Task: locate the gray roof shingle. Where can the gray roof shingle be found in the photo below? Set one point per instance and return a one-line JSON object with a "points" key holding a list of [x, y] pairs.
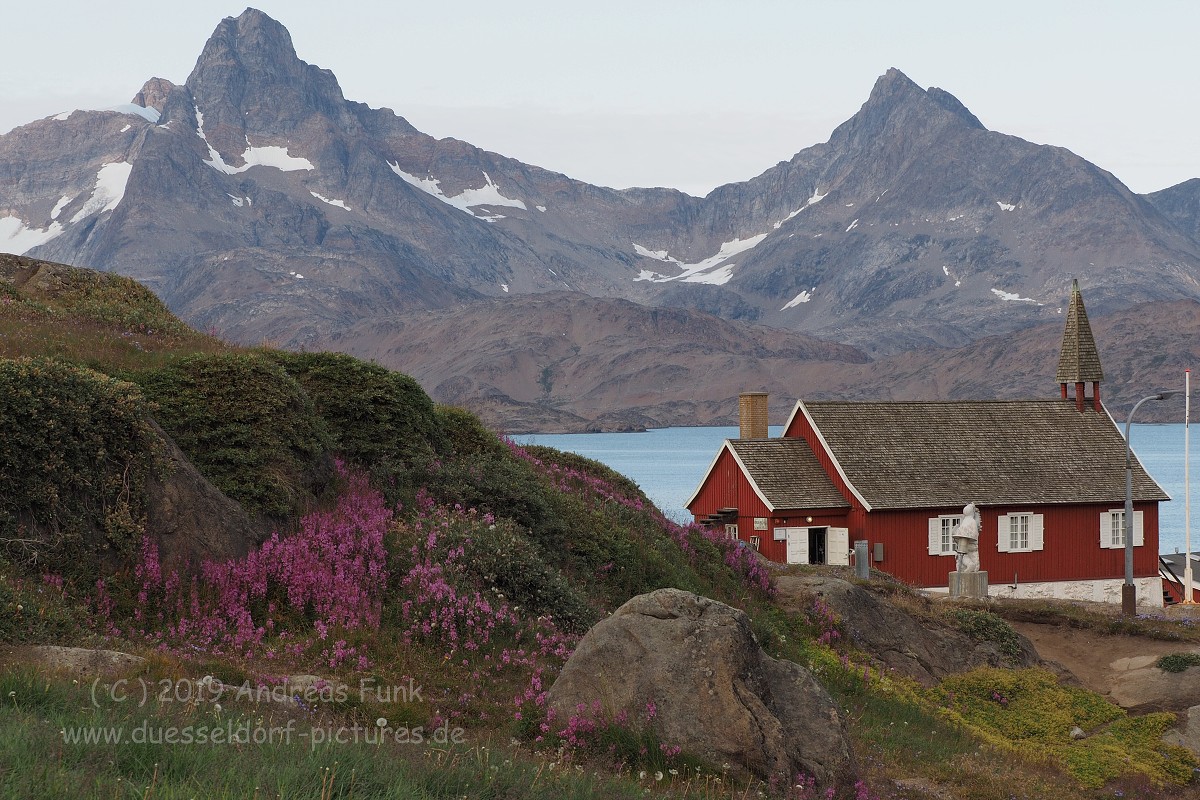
{"points": [[787, 473], [939, 454]]}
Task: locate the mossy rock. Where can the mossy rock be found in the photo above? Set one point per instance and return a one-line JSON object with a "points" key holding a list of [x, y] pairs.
{"points": [[248, 426]]}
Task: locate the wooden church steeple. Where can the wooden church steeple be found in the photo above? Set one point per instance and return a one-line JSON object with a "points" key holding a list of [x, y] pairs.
{"points": [[1079, 361]]}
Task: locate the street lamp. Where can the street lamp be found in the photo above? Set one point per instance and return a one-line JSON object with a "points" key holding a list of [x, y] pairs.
{"points": [[1128, 590]]}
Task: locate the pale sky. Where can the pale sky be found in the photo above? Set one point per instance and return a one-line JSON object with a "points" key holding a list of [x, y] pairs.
{"points": [[689, 94]]}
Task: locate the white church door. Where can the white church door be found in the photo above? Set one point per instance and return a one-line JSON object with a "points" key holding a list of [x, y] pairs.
{"points": [[837, 547], [797, 545]]}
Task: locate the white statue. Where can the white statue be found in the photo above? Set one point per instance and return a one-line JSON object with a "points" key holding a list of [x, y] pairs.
{"points": [[966, 540]]}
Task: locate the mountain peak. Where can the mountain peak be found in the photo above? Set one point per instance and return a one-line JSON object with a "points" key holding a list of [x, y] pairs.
{"points": [[249, 80], [892, 83], [154, 94], [897, 103], [894, 87], [252, 41]]}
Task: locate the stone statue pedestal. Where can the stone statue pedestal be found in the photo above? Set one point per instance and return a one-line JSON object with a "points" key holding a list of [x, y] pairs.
{"points": [[969, 584]]}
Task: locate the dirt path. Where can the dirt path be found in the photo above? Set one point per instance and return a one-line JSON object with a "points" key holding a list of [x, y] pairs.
{"points": [[1119, 667]]}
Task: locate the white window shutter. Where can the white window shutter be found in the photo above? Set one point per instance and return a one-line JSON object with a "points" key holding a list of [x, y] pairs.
{"points": [[837, 547], [1106, 529], [1139, 537], [935, 537], [1036, 531], [1003, 535]]}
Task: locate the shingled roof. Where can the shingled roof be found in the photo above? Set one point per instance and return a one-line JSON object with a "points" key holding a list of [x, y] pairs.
{"points": [[945, 454], [786, 473], [1079, 361]]}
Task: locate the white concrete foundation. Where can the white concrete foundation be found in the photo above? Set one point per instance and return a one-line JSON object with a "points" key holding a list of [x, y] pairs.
{"points": [[1149, 591]]}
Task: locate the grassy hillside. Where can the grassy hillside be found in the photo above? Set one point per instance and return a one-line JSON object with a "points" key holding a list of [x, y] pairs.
{"points": [[415, 578]]}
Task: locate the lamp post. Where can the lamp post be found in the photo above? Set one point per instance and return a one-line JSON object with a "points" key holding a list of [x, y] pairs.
{"points": [[1128, 590]]}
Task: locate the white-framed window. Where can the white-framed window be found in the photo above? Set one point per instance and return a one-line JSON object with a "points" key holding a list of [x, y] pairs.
{"points": [[731, 531], [755, 541], [1112, 529], [941, 534], [1020, 532]]}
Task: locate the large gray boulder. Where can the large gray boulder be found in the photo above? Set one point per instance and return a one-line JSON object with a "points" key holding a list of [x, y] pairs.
{"points": [[717, 695]]}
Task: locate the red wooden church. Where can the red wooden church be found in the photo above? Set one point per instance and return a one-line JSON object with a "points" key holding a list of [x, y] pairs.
{"points": [[1046, 475]]}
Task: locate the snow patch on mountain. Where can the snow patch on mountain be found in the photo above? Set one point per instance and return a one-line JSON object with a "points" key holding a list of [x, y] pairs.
{"points": [[658, 255], [63, 116], [110, 189], [60, 205], [272, 156], [1012, 297], [148, 114], [1005, 206], [853, 225], [803, 297], [649, 275], [716, 277], [816, 198], [487, 195], [713, 270], [18, 238], [266, 156], [339, 203]]}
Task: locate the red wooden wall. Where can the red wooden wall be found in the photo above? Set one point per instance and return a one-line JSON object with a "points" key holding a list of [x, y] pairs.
{"points": [[1071, 546], [726, 487]]}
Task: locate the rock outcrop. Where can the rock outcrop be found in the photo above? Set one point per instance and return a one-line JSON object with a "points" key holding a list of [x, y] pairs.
{"points": [[896, 639], [716, 694], [191, 520]]}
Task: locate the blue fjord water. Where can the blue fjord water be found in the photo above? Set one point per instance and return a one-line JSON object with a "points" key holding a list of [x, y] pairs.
{"points": [[668, 464]]}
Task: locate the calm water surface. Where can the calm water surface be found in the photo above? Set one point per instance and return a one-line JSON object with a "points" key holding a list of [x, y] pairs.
{"points": [[668, 464]]}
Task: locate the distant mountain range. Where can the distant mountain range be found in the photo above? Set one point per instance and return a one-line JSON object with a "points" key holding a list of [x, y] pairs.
{"points": [[259, 202]]}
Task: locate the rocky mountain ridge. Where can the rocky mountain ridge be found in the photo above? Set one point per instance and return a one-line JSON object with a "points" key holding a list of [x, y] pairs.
{"points": [[261, 203]]}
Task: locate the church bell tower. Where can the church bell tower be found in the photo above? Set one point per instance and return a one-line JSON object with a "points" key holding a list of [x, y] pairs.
{"points": [[1079, 361]]}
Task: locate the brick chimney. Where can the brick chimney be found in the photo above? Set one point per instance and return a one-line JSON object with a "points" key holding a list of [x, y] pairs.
{"points": [[752, 415]]}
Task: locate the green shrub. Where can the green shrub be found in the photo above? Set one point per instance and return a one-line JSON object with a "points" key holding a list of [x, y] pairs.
{"points": [[500, 484], [76, 448], [100, 297], [1178, 662], [464, 435], [117, 300], [377, 418], [502, 558], [247, 425], [985, 626]]}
